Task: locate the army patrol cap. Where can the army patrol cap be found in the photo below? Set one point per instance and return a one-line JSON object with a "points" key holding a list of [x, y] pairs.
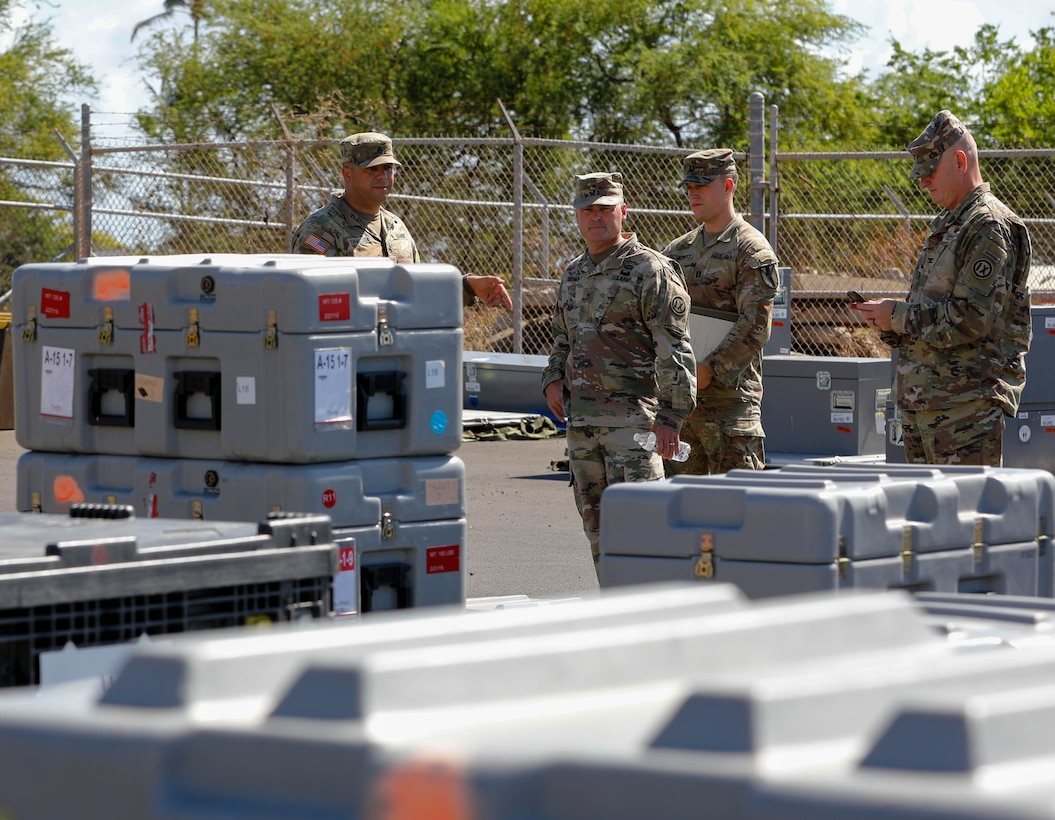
{"points": [[367, 150], [598, 189], [704, 167], [942, 132]]}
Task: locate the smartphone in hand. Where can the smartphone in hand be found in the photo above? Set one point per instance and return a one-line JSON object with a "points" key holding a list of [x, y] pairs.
{"points": [[855, 297]]}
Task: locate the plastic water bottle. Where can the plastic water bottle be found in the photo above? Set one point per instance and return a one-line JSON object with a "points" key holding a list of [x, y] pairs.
{"points": [[648, 442]]}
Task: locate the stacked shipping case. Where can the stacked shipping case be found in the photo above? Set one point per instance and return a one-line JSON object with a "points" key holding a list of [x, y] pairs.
{"points": [[229, 387], [1029, 438]]}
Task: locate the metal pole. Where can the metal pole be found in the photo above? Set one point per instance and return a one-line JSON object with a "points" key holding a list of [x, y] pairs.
{"points": [[757, 160], [82, 188], [518, 234], [84, 246], [287, 208], [774, 179]]}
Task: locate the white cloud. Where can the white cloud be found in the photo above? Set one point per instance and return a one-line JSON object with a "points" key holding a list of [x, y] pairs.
{"points": [[939, 25]]}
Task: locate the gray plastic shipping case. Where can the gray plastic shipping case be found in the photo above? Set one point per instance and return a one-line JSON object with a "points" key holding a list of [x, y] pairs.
{"points": [[806, 528], [400, 522], [1029, 438], [286, 358], [825, 405], [505, 382], [779, 343], [661, 702], [1040, 360], [100, 576]]}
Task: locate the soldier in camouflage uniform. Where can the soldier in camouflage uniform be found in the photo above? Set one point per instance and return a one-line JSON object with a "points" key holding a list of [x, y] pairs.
{"points": [[621, 362], [963, 332], [731, 271], [356, 223]]}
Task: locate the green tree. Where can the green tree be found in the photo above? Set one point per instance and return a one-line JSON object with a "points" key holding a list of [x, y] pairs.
{"points": [[636, 71], [1017, 108], [37, 78]]}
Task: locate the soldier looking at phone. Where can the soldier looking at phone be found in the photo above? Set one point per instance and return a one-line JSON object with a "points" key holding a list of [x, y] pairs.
{"points": [[964, 329]]}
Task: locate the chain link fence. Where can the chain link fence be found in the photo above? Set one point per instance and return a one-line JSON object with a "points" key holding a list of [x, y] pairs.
{"points": [[502, 207]]}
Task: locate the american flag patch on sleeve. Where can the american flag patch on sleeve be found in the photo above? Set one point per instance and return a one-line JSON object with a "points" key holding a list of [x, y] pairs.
{"points": [[316, 243]]}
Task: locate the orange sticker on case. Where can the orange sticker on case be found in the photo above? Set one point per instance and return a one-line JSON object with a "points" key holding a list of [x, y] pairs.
{"points": [[66, 490]]}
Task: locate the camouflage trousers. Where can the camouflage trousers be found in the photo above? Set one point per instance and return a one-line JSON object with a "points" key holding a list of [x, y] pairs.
{"points": [[599, 457], [714, 450], [970, 433]]}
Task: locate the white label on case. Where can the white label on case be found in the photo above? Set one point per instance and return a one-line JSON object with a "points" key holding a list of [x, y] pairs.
{"points": [[345, 584], [245, 389], [333, 385], [435, 375], [442, 492], [56, 382]]}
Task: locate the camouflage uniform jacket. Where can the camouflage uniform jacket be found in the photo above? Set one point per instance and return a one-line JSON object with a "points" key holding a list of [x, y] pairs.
{"points": [[620, 344], [336, 230], [963, 332], [735, 272]]}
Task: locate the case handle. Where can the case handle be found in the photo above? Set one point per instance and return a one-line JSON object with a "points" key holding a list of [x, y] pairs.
{"points": [[190, 383], [106, 380], [369, 385]]}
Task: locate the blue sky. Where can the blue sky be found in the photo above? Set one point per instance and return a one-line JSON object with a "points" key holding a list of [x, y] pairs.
{"points": [[98, 31]]}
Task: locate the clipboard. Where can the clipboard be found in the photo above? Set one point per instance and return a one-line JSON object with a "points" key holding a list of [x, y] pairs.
{"points": [[707, 329]]}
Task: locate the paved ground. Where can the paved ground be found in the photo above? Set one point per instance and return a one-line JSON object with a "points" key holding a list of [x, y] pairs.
{"points": [[525, 537]]}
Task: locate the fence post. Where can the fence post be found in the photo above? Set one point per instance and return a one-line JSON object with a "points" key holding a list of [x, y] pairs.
{"points": [[518, 234], [82, 190], [756, 156], [774, 179], [287, 208]]}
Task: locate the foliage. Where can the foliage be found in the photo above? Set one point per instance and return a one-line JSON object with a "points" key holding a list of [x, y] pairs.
{"points": [[37, 78], [1017, 109], [649, 71]]}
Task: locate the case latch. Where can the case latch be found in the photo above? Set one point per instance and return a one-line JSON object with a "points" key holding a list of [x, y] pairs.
{"points": [[705, 563], [271, 333], [906, 549], [978, 544], [384, 332], [29, 332], [388, 528], [193, 338], [106, 331]]}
